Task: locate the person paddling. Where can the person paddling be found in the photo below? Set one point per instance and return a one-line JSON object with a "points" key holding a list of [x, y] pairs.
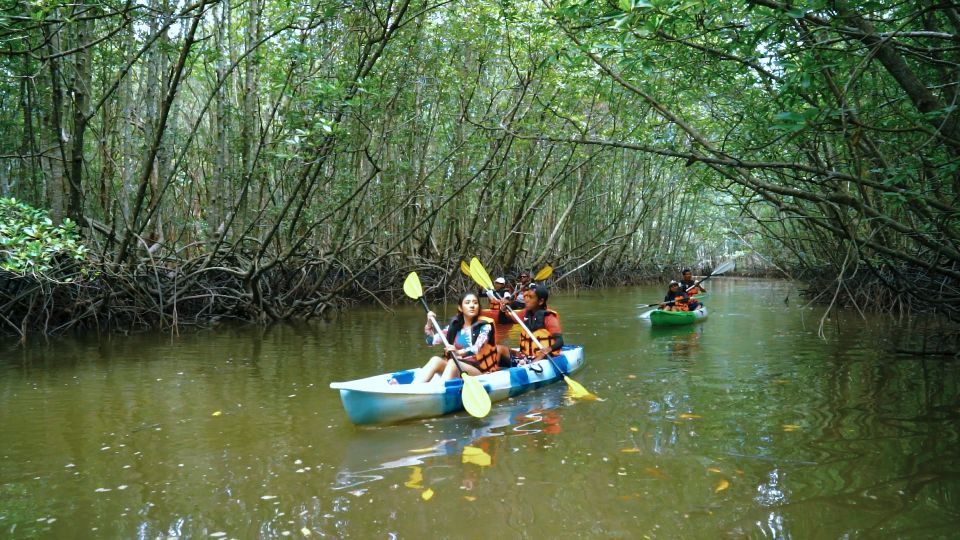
{"points": [[472, 340], [676, 299], [689, 285], [542, 321]]}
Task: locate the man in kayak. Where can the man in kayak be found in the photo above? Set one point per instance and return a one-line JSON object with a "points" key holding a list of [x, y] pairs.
{"points": [[500, 288], [542, 321], [523, 281], [688, 284]]}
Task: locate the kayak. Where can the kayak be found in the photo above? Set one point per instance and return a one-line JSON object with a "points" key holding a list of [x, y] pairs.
{"points": [[373, 400], [676, 318]]}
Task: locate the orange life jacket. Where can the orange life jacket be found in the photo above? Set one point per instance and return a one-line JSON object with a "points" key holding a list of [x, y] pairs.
{"points": [[487, 358], [535, 322]]}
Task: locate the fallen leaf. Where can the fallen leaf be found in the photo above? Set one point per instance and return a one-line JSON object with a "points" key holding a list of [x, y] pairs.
{"points": [[427, 494], [688, 416], [721, 486], [305, 531], [422, 450], [713, 469], [416, 479], [472, 454], [790, 427], [217, 413], [655, 472], [470, 498], [634, 429], [631, 376], [630, 450]]}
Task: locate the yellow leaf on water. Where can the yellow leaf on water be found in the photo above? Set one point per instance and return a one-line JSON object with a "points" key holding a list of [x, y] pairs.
{"points": [[634, 429], [217, 413], [721, 486], [472, 454], [422, 450], [631, 376], [305, 531], [416, 479], [713, 469], [427, 494], [790, 427], [688, 416], [470, 498], [630, 450]]}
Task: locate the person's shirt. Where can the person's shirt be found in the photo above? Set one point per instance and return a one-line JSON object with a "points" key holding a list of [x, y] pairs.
{"points": [[464, 338], [685, 285]]}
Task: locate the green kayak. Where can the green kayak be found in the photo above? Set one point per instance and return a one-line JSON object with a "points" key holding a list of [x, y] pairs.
{"points": [[676, 318]]}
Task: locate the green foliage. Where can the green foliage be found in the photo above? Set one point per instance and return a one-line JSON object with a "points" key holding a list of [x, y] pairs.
{"points": [[31, 244]]}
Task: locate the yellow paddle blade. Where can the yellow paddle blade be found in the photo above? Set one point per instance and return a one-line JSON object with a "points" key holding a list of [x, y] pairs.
{"points": [[464, 268], [411, 286], [544, 273], [475, 398], [479, 274], [576, 390]]}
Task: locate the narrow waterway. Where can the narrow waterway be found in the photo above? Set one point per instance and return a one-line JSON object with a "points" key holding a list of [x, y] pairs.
{"points": [[748, 425]]}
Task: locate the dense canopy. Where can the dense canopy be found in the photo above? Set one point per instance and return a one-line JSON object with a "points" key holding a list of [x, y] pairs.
{"points": [[265, 159]]}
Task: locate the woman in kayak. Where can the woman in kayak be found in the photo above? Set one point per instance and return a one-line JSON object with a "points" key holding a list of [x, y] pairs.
{"points": [[472, 341], [676, 299]]}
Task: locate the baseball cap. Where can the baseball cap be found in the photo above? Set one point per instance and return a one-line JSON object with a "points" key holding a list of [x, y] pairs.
{"points": [[500, 280]]}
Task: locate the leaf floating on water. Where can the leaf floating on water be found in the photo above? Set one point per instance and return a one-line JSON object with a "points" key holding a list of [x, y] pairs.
{"points": [[781, 381], [427, 494], [631, 376], [655, 472], [218, 534], [722, 485], [416, 479], [422, 450], [217, 413], [268, 497], [634, 429], [470, 498], [472, 454], [305, 531], [688, 416], [713, 470], [790, 427], [630, 450]]}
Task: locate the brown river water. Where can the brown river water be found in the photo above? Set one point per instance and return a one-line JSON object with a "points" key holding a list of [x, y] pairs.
{"points": [[750, 424]]}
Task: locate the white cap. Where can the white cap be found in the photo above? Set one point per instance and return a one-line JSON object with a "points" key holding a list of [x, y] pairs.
{"points": [[500, 280]]}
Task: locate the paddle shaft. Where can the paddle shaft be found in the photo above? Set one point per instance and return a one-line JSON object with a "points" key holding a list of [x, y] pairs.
{"points": [[446, 344]]}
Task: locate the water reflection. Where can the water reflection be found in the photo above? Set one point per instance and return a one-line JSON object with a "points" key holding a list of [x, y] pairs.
{"points": [[373, 451]]}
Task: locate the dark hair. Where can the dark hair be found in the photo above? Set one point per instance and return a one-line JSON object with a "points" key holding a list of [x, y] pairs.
{"points": [[542, 293], [685, 270], [456, 323]]}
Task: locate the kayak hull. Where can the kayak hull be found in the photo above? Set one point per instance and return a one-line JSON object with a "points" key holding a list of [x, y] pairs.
{"points": [[677, 318], [373, 400]]}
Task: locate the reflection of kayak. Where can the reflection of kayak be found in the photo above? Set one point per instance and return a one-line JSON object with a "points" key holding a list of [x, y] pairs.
{"points": [[676, 318], [371, 452], [374, 400]]}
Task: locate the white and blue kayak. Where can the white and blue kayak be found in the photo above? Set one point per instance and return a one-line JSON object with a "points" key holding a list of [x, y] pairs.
{"points": [[373, 400]]}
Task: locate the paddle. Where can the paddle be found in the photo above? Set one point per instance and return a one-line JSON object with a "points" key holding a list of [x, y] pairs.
{"points": [[543, 274], [464, 268], [475, 398], [479, 274], [725, 267]]}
